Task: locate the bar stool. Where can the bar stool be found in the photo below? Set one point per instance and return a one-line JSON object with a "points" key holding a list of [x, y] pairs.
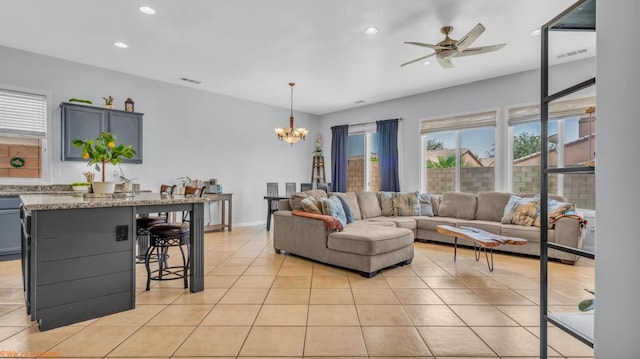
{"points": [[143, 224], [163, 237]]}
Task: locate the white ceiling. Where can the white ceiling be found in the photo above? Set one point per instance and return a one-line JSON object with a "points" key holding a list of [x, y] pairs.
{"points": [[252, 49]]}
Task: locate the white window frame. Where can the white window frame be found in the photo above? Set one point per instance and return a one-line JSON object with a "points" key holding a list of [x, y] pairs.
{"points": [[45, 155], [367, 130], [423, 143]]}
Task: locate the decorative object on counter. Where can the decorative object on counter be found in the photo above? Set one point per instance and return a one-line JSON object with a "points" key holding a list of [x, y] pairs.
{"points": [[184, 181], [89, 176], [291, 135], [104, 150], [128, 105], [126, 182], [78, 100], [81, 186], [108, 102]]}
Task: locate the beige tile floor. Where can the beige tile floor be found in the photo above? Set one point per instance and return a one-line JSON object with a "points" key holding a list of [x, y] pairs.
{"points": [[261, 304]]}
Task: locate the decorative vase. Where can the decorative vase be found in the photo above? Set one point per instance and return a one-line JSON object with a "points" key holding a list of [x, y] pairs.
{"points": [[103, 187]]}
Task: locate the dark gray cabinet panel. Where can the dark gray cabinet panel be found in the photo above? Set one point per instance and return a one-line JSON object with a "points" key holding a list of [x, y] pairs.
{"points": [[87, 122], [9, 228], [127, 127]]}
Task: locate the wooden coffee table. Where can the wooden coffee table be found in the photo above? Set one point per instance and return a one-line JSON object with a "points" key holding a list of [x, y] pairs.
{"points": [[482, 240]]}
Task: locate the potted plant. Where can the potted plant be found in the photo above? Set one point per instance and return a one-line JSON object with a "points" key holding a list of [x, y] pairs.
{"points": [[104, 150]]}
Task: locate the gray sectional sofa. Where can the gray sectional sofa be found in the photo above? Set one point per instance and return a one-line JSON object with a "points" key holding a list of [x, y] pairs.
{"points": [[379, 237]]}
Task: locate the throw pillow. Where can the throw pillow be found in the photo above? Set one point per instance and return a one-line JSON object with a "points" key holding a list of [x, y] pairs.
{"points": [[347, 210], [555, 210], [412, 204], [352, 201], [311, 205], [386, 203], [520, 211], [296, 198], [333, 207]]}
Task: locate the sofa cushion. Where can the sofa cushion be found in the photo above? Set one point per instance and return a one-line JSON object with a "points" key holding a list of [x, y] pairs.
{"points": [[296, 198], [386, 203], [489, 226], [376, 221], [333, 207], [369, 240], [347, 210], [458, 205], [352, 201], [369, 204], [531, 234], [432, 222], [491, 205], [520, 211]]}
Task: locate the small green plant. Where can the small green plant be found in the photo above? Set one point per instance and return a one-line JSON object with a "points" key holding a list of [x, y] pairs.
{"points": [[104, 150], [81, 184], [80, 100]]}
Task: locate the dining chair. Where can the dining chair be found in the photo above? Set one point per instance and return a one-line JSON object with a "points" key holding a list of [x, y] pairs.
{"points": [[272, 191], [290, 188], [305, 187]]}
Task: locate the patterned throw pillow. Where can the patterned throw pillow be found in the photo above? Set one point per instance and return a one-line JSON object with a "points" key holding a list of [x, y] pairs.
{"points": [[412, 204], [386, 203], [333, 207], [311, 205], [520, 211], [555, 210], [347, 210]]}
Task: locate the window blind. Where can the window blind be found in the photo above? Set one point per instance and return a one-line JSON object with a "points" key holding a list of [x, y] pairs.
{"points": [[482, 119], [23, 113], [558, 109]]}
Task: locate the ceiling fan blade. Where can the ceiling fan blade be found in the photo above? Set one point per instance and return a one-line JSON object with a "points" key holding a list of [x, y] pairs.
{"points": [[418, 59], [445, 62], [435, 47], [469, 38], [480, 50]]}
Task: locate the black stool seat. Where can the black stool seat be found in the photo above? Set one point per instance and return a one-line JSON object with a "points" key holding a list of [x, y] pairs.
{"points": [[164, 236], [146, 222]]}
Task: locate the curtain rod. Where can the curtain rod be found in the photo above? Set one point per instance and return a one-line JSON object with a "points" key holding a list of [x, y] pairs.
{"points": [[371, 123]]}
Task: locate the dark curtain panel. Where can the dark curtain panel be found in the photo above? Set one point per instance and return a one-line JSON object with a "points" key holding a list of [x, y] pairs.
{"points": [[339, 138], [387, 137]]}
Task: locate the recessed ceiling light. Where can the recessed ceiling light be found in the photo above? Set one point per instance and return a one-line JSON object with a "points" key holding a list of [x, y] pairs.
{"points": [[535, 32], [426, 62], [120, 44], [147, 10], [371, 30]]}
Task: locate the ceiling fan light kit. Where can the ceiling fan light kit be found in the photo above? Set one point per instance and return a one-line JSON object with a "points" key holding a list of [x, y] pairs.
{"points": [[449, 48], [291, 135]]}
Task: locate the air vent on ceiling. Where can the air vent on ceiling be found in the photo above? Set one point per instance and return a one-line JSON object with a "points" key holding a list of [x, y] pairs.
{"points": [[190, 80], [359, 101], [571, 53]]}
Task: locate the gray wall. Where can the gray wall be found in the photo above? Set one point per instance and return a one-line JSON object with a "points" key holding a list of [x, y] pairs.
{"points": [[187, 132], [492, 94], [617, 245]]}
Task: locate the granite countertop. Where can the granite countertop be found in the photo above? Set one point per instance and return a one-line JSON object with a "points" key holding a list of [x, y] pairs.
{"points": [[39, 202], [16, 190]]}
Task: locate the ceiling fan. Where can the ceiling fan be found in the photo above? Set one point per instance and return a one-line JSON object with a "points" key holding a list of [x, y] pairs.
{"points": [[448, 48]]}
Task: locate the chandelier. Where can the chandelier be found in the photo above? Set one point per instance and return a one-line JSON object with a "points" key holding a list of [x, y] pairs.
{"points": [[291, 135]]}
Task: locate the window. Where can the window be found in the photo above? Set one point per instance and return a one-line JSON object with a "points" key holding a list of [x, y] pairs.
{"points": [[362, 162], [23, 119], [459, 153], [571, 132]]}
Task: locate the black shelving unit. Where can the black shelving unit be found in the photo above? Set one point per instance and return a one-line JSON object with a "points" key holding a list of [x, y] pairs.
{"points": [[579, 17]]}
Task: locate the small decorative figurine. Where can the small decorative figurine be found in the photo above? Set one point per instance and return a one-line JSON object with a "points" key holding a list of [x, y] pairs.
{"points": [[128, 105], [108, 102]]}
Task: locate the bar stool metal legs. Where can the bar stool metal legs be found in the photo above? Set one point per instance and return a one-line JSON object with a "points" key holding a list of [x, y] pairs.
{"points": [[161, 240]]}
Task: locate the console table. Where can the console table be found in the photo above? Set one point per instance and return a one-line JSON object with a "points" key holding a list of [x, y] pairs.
{"points": [[226, 211]]}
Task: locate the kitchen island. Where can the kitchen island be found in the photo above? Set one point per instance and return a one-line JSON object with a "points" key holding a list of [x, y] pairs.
{"points": [[78, 252]]}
